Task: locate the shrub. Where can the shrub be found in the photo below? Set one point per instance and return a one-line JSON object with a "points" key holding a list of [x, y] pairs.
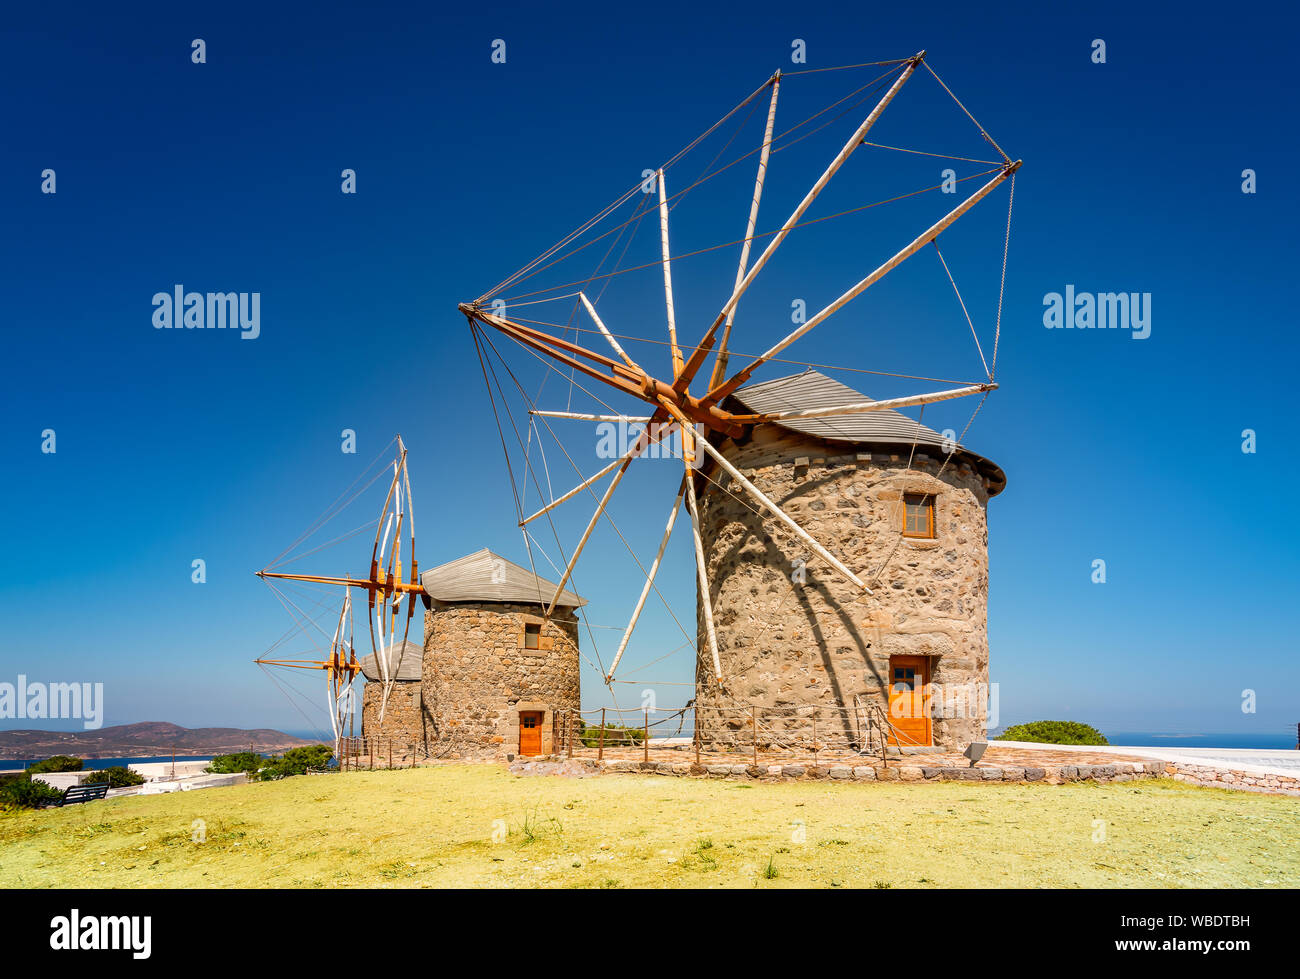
{"points": [[296, 761], [118, 777], [1053, 732], [616, 735], [242, 761], [26, 793], [58, 763]]}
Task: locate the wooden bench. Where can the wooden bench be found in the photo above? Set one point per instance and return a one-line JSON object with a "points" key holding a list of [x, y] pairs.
{"points": [[74, 794]]}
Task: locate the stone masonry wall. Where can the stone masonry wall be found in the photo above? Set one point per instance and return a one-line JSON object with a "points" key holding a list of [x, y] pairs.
{"points": [[404, 717], [478, 676], [793, 633]]}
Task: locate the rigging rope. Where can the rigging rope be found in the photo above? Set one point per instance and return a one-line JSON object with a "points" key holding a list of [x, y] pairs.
{"points": [[512, 301], [872, 86], [624, 198], [336, 507], [1006, 247], [578, 472], [963, 108], [770, 360], [935, 242]]}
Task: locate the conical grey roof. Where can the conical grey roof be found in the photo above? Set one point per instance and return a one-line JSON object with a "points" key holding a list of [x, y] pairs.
{"points": [[487, 577], [405, 659], [812, 389]]}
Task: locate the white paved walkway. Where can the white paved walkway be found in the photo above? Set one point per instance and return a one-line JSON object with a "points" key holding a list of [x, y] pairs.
{"points": [[1275, 761]]}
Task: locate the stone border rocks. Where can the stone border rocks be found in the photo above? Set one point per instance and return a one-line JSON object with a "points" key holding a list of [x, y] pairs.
{"points": [[1049, 774], [1223, 778]]}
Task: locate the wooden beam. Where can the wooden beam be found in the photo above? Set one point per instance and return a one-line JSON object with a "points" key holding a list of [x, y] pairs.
{"points": [[668, 277], [702, 574], [591, 311], [584, 417], [622, 377], [854, 142], [567, 353], [627, 456], [591, 525], [781, 515], [720, 365], [372, 585], [649, 582]]}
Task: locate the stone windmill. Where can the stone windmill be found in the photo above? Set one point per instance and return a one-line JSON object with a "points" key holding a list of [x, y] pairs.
{"points": [[839, 545]]}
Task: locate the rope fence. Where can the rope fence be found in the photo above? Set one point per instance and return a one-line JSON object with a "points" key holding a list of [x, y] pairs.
{"points": [[750, 734], [754, 732], [370, 753]]}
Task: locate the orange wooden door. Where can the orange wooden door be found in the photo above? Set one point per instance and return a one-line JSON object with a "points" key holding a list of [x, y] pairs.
{"points": [[530, 732], [909, 699]]}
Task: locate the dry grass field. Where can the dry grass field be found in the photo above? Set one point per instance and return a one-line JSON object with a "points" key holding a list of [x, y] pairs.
{"points": [[478, 826]]}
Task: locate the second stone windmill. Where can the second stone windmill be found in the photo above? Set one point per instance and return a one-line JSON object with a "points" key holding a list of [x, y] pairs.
{"points": [[839, 546]]}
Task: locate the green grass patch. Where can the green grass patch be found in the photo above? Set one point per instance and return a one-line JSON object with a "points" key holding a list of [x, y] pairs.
{"points": [[479, 826]]}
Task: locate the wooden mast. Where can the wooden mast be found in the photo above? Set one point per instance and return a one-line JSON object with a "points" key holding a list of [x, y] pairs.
{"points": [[668, 278], [649, 582], [702, 576], [720, 364]]}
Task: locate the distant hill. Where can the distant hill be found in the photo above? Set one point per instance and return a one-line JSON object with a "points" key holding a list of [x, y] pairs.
{"points": [[142, 740]]}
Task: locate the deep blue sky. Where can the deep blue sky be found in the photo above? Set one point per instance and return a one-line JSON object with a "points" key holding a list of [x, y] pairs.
{"points": [[225, 176]]}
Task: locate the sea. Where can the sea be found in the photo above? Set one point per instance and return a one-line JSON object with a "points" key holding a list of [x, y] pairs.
{"points": [[1150, 739], [1141, 739], [1164, 739], [11, 764], [94, 764]]}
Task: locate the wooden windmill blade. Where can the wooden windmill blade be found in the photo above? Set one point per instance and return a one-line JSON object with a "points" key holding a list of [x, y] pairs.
{"points": [[385, 588], [339, 667], [712, 407]]}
